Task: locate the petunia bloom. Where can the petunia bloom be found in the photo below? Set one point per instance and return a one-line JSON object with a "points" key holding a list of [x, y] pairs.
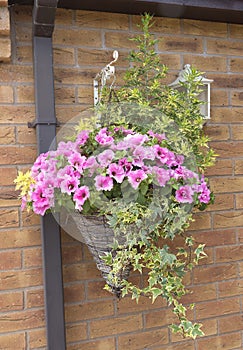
{"points": [[80, 196], [135, 177], [117, 172], [184, 194], [103, 183]]}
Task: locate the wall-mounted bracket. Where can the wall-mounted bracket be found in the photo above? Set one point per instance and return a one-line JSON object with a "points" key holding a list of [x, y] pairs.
{"points": [[36, 122], [105, 74]]}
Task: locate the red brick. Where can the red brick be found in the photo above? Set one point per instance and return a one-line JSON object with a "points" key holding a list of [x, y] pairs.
{"points": [[10, 260], [77, 37], [179, 43], [34, 298], [77, 272], [64, 56], [230, 324], [74, 293], [119, 40], [227, 115], [206, 63], [185, 346], [202, 221], [23, 33], [23, 320], [20, 238], [17, 155], [11, 301], [219, 98], [227, 81], [218, 308], [25, 94], [32, 257], [228, 149], [235, 31], [118, 325], [29, 219], [237, 97], [222, 202], [160, 318], [26, 135], [37, 338], [238, 166], [237, 131], [224, 47], [96, 290], [16, 114], [6, 94], [103, 344], [12, 341], [226, 342], [126, 305], [72, 254], [196, 27], [20, 279], [150, 338], [214, 273], [9, 218], [228, 219], [221, 167], [226, 184], [87, 311], [216, 238], [230, 288], [230, 253], [200, 293], [99, 57], [63, 17], [76, 332], [240, 265], [7, 135], [102, 20], [218, 133], [16, 73]]}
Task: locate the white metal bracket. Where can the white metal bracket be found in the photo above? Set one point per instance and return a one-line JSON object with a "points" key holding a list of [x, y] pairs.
{"points": [[101, 78]]}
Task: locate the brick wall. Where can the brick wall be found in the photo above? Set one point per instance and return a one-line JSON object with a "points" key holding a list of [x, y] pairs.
{"points": [[5, 42], [83, 44]]}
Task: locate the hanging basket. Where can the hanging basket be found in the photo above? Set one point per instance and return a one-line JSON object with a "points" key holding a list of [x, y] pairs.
{"points": [[99, 237]]}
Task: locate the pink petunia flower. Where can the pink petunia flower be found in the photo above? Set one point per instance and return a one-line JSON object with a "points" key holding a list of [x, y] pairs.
{"points": [[103, 183], [159, 137], [161, 153], [105, 158], [82, 137], [162, 175], [204, 191], [80, 196], [103, 137], [91, 164], [117, 172], [134, 140], [77, 161], [69, 184], [136, 177], [184, 194], [41, 202], [127, 166]]}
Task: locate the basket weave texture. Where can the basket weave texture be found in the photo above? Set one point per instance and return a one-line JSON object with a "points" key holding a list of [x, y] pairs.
{"points": [[99, 238]]}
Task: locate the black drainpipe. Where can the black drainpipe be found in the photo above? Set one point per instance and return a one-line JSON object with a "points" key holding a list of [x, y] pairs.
{"points": [[45, 124]]}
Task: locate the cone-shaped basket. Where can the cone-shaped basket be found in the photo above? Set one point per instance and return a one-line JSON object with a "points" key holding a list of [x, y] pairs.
{"points": [[99, 238]]}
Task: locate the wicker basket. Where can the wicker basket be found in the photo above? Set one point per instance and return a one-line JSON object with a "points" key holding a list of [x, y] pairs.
{"points": [[99, 238]]}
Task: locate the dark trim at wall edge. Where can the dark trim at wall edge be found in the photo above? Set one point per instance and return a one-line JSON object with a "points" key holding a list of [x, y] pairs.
{"points": [[230, 11]]}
